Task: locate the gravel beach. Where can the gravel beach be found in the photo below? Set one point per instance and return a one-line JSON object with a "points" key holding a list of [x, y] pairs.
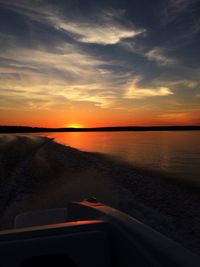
{"points": [[37, 173]]}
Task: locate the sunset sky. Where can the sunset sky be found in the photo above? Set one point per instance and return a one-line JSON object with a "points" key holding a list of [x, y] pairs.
{"points": [[99, 63]]}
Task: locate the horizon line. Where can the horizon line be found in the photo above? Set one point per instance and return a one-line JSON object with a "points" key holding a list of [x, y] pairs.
{"points": [[26, 129]]}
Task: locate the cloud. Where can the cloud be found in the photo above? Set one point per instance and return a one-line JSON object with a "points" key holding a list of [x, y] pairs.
{"points": [[179, 5], [135, 92], [107, 28], [99, 34], [104, 31], [159, 57], [172, 9], [61, 72], [66, 73], [132, 47], [180, 117], [155, 54], [177, 83]]}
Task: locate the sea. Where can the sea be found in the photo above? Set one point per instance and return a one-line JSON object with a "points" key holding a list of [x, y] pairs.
{"points": [[174, 153]]}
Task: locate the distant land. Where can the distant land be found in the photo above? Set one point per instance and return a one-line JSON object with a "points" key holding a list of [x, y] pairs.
{"points": [[25, 129]]}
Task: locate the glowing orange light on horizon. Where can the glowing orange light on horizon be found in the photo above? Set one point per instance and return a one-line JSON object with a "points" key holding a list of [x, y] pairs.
{"points": [[74, 125]]}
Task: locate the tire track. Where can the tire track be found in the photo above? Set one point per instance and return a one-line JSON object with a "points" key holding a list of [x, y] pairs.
{"points": [[19, 184]]}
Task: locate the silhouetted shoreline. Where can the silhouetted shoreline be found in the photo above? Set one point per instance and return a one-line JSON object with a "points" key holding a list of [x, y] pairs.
{"points": [[25, 129]]}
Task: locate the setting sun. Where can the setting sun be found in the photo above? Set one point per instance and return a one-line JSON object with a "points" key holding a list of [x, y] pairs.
{"points": [[74, 125], [117, 70]]}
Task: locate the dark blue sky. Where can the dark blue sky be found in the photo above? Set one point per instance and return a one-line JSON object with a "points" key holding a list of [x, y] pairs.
{"points": [[134, 62]]}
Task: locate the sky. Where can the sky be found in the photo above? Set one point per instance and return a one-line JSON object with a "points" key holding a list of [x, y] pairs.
{"points": [[99, 63]]}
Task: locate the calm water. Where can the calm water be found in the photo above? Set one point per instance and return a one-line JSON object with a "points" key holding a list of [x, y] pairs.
{"points": [[175, 153]]}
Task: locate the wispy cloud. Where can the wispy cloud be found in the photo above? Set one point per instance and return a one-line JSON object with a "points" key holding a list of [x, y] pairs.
{"points": [[107, 29], [61, 59], [177, 83], [179, 5], [68, 73], [65, 71], [133, 91], [176, 8], [132, 47], [159, 57], [99, 34]]}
